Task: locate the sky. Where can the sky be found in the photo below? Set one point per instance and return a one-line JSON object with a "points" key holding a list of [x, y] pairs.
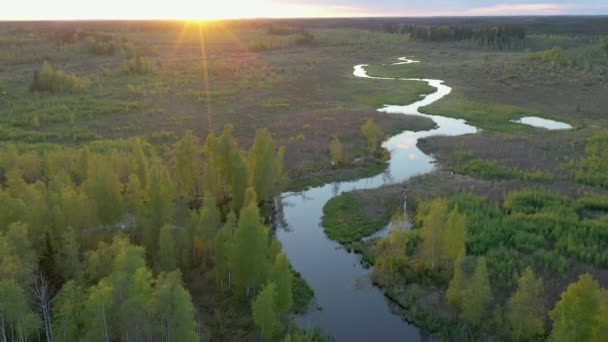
{"points": [[216, 9]]}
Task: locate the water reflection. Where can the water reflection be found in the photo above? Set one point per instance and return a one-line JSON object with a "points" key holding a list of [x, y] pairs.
{"points": [[358, 313], [535, 121]]}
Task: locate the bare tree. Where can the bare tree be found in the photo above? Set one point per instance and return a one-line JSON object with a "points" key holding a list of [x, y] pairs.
{"points": [[42, 293]]}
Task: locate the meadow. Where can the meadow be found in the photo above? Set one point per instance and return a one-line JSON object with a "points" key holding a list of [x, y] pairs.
{"points": [[141, 162]]}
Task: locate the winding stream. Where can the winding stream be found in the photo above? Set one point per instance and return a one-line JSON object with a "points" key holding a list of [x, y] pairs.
{"points": [[352, 309]]}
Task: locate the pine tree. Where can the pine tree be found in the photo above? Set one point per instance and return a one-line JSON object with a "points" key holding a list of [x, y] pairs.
{"points": [[265, 314], [281, 276], [576, 313], [526, 308]]}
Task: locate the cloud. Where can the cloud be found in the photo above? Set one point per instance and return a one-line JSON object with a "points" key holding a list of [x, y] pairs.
{"points": [[522, 9]]}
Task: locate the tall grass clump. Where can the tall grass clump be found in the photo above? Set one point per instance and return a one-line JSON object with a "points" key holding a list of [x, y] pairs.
{"points": [[48, 79], [591, 56], [108, 45], [592, 168], [139, 65]]}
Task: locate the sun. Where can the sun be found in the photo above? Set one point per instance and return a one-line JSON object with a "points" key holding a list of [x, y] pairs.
{"points": [[227, 9]]}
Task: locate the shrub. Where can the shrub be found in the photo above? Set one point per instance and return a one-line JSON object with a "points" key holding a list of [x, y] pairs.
{"points": [[57, 80], [305, 38], [108, 45], [551, 56], [139, 65]]}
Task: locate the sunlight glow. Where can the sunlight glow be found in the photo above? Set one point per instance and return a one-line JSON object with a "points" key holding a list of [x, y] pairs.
{"points": [[176, 9]]}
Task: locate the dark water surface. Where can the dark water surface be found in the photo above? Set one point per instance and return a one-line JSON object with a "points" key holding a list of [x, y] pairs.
{"points": [[352, 308]]}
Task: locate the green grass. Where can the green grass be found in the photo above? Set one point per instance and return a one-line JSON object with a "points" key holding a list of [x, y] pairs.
{"points": [[488, 169], [324, 176], [352, 216], [490, 116], [591, 169], [396, 71], [302, 293]]}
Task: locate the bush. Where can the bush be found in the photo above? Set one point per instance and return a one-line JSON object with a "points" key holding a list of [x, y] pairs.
{"points": [[57, 80], [139, 65], [592, 168], [108, 45], [305, 38], [551, 56]]}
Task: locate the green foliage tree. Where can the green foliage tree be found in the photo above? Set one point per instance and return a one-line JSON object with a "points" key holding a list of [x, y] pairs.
{"points": [[373, 134], [265, 314], [188, 164], [172, 309], [477, 295], [57, 80], [265, 166], [453, 293], [526, 308], [223, 257], [104, 189], [67, 256], [433, 249], [393, 253], [67, 312], [281, 276], [454, 235], [159, 207], [16, 319], [600, 329], [98, 310], [336, 151], [250, 250], [167, 254], [140, 162], [577, 311]]}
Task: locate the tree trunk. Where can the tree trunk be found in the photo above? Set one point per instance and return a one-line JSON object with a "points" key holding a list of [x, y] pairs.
{"points": [[4, 338], [105, 325], [42, 294]]}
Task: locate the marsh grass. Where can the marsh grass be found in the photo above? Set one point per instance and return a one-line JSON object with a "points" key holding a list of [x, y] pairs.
{"points": [[490, 116], [352, 216]]}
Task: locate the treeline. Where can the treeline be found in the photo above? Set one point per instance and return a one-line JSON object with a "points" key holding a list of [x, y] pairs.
{"points": [[94, 240], [495, 272], [501, 36]]}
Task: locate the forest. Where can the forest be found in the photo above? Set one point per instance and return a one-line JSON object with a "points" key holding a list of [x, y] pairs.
{"points": [[236, 181], [98, 239]]}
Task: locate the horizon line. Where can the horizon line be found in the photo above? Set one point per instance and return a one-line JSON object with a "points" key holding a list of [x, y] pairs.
{"points": [[302, 18]]}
